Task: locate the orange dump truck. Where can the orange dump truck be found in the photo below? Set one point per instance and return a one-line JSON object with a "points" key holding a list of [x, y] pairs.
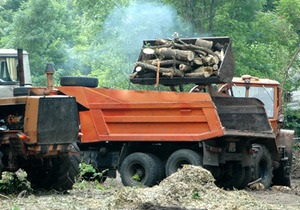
{"points": [[232, 127], [147, 135]]}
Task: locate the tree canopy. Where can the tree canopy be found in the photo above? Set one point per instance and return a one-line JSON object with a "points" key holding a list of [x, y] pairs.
{"points": [[102, 38]]}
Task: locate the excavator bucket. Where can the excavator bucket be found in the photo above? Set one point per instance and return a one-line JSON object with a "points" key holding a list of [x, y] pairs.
{"points": [[243, 116], [223, 74]]}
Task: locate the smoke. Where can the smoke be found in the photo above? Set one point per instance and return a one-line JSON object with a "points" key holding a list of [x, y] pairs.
{"points": [[127, 26]]}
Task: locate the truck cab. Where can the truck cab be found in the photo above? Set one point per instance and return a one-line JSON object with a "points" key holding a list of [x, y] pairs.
{"points": [[9, 76]]}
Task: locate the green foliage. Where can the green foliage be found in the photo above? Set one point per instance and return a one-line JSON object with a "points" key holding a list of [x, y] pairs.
{"points": [[87, 171], [196, 195], [290, 10], [89, 177], [136, 177], [292, 120], [14, 183]]}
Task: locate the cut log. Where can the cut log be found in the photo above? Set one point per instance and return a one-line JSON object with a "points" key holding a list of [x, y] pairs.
{"points": [[172, 62], [185, 68], [168, 53], [198, 61], [138, 68], [204, 43], [219, 47], [133, 75], [173, 71], [215, 67], [198, 74], [163, 42], [204, 69]]}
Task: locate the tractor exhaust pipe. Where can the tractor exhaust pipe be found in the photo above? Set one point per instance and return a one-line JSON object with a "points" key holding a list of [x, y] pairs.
{"points": [[21, 67], [49, 71]]}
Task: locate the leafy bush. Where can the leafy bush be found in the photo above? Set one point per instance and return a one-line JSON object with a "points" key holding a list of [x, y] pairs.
{"points": [[14, 182]]}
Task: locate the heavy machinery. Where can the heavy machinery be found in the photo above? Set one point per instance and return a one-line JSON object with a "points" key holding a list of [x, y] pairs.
{"points": [[38, 132], [147, 135], [223, 126]]}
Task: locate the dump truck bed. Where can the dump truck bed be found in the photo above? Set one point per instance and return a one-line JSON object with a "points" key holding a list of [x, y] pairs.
{"points": [[118, 115]]}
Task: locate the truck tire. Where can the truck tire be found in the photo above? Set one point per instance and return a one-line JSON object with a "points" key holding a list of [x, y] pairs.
{"points": [[79, 81], [139, 169], [263, 165], [160, 168], [180, 157], [233, 177], [20, 91]]}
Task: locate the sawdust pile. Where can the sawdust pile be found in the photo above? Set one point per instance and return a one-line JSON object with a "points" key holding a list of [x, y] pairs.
{"points": [[191, 187]]}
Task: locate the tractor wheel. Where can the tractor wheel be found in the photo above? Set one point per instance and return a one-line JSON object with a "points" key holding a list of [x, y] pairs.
{"points": [[233, 177], [181, 157], [282, 175], [1, 164], [68, 169], [58, 173], [79, 81], [139, 169], [247, 177], [263, 165]]}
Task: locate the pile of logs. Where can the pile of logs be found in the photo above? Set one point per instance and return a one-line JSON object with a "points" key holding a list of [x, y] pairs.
{"points": [[175, 58]]}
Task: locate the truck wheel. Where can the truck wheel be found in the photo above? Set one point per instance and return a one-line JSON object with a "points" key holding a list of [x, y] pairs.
{"points": [[139, 169], [79, 81], [160, 168], [20, 91], [181, 157], [263, 165], [233, 177]]}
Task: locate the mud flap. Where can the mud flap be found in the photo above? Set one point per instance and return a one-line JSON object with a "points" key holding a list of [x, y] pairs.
{"points": [[210, 158]]}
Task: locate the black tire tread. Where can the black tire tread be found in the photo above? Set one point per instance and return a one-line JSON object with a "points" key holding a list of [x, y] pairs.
{"points": [[79, 81], [187, 155], [68, 169], [263, 154]]}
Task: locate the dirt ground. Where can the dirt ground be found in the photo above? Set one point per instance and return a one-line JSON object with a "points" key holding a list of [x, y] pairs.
{"points": [[290, 198], [114, 196], [190, 188]]}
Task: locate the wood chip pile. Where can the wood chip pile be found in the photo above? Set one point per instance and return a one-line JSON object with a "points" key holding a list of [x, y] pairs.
{"points": [[192, 187]]}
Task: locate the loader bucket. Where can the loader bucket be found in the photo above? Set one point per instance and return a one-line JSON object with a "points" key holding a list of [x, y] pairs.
{"points": [[224, 73], [243, 116]]}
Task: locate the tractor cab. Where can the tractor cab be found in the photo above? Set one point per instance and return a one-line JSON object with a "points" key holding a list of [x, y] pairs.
{"points": [[9, 75], [265, 90]]}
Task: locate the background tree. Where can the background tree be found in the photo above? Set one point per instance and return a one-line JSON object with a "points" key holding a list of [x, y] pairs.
{"points": [[46, 29]]}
